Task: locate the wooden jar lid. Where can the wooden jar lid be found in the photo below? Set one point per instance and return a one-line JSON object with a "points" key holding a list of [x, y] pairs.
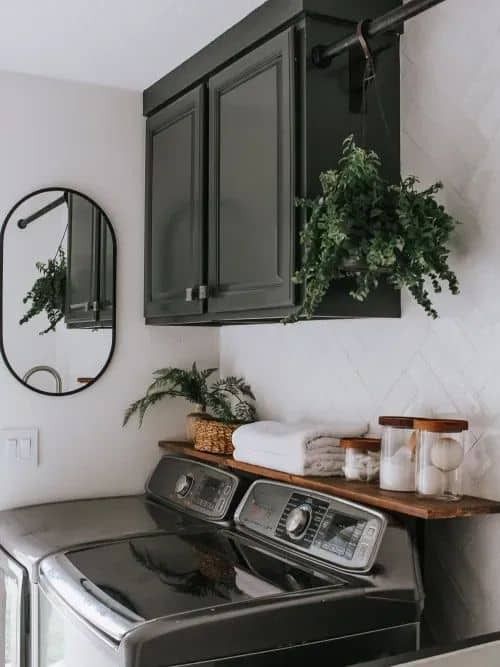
{"points": [[397, 422], [441, 425], [369, 444]]}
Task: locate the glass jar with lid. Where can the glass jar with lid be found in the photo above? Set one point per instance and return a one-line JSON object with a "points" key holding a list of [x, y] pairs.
{"points": [[398, 454], [362, 458], [440, 455]]}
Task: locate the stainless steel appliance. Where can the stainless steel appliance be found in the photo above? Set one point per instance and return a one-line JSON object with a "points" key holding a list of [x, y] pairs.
{"points": [[14, 630], [301, 576], [29, 534]]}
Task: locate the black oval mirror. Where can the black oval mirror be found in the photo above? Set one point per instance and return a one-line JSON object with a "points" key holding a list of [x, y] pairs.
{"points": [[58, 296]]}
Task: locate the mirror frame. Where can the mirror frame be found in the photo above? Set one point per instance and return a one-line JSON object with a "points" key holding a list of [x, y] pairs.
{"points": [[8, 218]]}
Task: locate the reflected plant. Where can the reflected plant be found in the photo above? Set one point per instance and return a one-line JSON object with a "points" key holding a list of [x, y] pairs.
{"points": [[200, 581], [48, 294]]}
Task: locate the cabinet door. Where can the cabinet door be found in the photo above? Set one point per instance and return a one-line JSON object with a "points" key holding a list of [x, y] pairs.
{"points": [[106, 274], [83, 251], [175, 208], [251, 196]]}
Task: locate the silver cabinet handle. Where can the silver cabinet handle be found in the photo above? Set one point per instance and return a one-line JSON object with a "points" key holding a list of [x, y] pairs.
{"points": [[92, 307], [199, 293]]}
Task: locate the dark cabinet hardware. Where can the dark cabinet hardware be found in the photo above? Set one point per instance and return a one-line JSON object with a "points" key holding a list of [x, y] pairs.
{"points": [[24, 222], [322, 56]]}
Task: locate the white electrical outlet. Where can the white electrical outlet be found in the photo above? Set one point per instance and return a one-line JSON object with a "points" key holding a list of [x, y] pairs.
{"points": [[19, 446]]}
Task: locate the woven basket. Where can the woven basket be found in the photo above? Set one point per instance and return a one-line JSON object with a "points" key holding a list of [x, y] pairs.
{"points": [[211, 435]]}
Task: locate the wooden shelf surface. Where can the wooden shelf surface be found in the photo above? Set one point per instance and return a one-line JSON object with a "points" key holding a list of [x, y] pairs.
{"points": [[362, 492]]}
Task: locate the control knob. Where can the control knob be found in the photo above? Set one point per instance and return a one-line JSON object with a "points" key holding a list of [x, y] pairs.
{"points": [[297, 521], [183, 485]]}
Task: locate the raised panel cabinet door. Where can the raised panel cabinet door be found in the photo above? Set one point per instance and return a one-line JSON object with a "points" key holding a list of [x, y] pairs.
{"points": [[175, 208], [106, 274], [83, 250], [251, 194]]}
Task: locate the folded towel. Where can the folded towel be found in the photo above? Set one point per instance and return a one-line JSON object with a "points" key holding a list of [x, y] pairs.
{"points": [[277, 437], [323, 466], [298, 449], [333, 457]]}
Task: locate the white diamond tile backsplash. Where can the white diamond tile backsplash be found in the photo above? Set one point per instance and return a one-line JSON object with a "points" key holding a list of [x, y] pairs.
{"points": [[450, 114]]}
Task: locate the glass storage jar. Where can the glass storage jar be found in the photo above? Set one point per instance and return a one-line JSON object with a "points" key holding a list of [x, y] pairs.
{"points": [[398, 453], [440, 454], [362, 458]]}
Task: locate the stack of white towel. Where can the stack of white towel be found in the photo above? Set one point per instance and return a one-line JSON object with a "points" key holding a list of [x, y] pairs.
{"points": [[298, 449]]}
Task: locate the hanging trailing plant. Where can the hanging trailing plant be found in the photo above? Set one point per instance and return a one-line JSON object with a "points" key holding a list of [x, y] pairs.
{"points": [[364, 228], [48, 294]]}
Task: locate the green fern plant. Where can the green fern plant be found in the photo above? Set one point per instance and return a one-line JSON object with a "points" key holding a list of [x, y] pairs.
{"points": [[364, 228], [228, 399], [48, 293]]}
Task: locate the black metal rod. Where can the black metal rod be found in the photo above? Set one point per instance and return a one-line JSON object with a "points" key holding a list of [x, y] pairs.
{"points": [[24, 222], [323, 55]]}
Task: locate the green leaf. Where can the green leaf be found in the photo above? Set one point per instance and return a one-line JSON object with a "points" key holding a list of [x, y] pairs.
{"points": [[361, 220], [228, 399], [48, 293]]}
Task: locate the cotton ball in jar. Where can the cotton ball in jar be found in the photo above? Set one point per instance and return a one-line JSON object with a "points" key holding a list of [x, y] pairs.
{"points": [[447, 454], [431, 481]]}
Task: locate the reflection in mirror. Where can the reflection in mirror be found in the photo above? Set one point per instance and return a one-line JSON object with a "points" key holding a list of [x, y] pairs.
{"points": [[58, 291]]}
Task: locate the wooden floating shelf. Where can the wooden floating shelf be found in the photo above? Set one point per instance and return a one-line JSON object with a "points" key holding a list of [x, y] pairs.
{"points": [[361, 492]]}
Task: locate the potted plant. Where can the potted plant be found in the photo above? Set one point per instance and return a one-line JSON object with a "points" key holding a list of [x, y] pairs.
{"points": [[220, 407], [48, 293], [365, 228]]}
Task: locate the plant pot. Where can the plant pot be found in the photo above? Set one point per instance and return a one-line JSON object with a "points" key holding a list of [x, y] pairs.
{"points": [[191, 419], [214, 436]]}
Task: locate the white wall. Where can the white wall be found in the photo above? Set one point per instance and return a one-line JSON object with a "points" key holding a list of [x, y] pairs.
{"points": [[92, 139], [450, 131]]}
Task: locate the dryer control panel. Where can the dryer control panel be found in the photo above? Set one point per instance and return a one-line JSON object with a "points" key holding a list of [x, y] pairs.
{"points": [[194, 487], [342, 533]]}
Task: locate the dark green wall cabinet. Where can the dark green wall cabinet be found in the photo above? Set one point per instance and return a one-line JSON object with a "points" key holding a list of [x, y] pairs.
{"points": [[90, 284], [234, 135]]}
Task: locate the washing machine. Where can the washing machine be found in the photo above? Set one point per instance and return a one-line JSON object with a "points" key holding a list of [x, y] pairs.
{"points": [[299, 576], [177, 499]]}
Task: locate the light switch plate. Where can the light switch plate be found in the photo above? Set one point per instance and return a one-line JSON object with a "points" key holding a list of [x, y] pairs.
{"points": [[19, 446]]}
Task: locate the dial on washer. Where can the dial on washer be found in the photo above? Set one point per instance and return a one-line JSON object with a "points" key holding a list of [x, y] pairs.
{"points": [[183, 485], [297, 521]]}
